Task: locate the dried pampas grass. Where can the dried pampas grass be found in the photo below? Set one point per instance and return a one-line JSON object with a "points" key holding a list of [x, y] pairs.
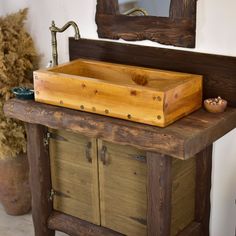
{"points": [[18, 59]]}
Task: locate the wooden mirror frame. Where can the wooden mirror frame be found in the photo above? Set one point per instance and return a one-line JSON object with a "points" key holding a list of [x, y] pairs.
{"points": [[179, 29]]}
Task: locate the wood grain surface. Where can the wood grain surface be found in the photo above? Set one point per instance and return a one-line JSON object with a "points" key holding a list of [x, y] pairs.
{"points": [[40, 178], [76, 227], [182, 140], [159, 168], [140, 94], [219, 72], [178, 29], [194, 229], [183, 194], [74, 171], [124, 192], [203, 188], [122, 181]]}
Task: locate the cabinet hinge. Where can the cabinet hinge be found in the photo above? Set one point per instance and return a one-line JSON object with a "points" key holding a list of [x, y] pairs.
{"points": [[46, 139], [51, 194], [140, 158]]}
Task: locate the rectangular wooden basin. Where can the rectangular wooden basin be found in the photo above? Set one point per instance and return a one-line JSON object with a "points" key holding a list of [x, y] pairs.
{"points": [[149, 96]]}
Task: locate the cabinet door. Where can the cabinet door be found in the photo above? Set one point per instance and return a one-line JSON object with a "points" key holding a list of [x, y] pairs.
{"points": [[122, 179], [74, 173]]}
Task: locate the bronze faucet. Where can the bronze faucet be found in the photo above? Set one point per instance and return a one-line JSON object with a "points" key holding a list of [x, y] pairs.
{"points": [[54, 31]]}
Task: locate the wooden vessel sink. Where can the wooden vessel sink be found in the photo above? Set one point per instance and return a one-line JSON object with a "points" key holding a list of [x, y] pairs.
{"points": [[149, 96]]}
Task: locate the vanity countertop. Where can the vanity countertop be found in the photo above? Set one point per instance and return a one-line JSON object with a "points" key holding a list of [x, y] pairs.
{"points": [[183, 139]]}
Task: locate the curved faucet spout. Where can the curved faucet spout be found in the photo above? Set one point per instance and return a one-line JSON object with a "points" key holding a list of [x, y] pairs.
{"points": [[54, 30]]}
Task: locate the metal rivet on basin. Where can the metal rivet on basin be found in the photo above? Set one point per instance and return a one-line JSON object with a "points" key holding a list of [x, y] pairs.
{"points": [[154, 98], [82, 107], [129, 116], [61, 102], [159, 117], [94, 108], [96, 91], [106, 111], [158, 98], [83, 85]]}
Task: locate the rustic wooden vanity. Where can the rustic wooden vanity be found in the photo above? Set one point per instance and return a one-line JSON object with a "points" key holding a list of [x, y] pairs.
{"points": [[132, 178], [95, 175]]}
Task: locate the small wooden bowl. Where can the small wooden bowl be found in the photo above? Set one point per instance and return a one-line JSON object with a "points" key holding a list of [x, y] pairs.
{"points": [[215, 108]]}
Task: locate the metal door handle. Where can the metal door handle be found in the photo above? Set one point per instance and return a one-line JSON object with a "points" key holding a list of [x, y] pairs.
{"points": [[103, 155], [88, 152]]}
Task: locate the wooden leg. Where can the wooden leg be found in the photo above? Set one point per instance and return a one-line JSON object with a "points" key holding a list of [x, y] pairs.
{"points": [[40, 179], [203, 188], [159, 185]]}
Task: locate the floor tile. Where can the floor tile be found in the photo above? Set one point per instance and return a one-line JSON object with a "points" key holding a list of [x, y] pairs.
{"points": [[17, 225]]}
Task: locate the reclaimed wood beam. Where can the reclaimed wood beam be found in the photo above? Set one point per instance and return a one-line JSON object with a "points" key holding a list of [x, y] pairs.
{"points": [[40, 178], [182, 140], [159, 198], [203, 188]]}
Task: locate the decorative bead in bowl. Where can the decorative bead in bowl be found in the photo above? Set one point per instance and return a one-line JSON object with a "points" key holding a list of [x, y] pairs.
{"points": [[215, 105], [23, 93]]}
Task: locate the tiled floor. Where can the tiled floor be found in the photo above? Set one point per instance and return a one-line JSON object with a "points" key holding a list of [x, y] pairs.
{"points": [[17, 225]]}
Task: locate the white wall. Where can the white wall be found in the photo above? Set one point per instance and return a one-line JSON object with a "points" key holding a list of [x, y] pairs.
{"points": [[223, 217], [216, 33], [42, 12]]}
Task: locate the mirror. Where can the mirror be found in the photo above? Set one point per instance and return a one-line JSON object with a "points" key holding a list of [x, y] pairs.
{"points": [[151, 7], [169, 22]]}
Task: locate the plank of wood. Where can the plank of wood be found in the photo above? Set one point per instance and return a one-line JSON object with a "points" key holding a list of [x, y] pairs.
{"points": [[194, 229], [40, 178], [203, 188], [159, 168], [183, 194], [74, 171], [122, 180], [182, 140], [76, 227], [104, 88], [219, 72], [178, 8]]}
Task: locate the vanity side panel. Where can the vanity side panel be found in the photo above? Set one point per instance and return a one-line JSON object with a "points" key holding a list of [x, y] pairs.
{"points": [[183, 194]]}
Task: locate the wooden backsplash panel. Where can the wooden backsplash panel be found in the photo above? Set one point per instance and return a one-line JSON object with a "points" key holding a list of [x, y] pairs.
{"points": [[219, 71]]}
